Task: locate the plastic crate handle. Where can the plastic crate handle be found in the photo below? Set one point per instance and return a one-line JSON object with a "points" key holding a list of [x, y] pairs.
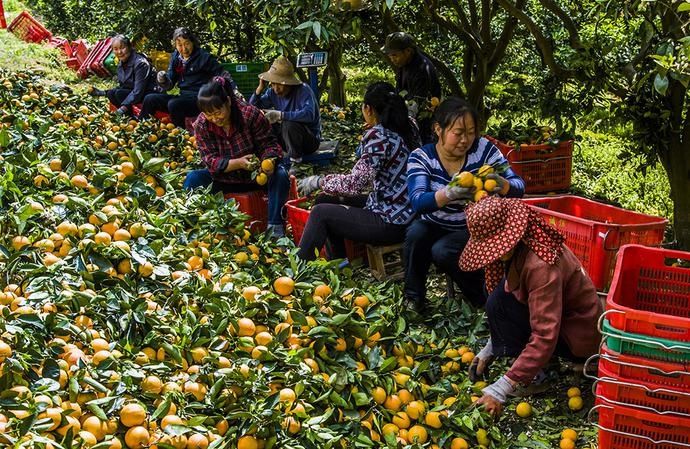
{"points": [[647, 342], [657, 320], [646, 389], [643, 407], [620, 432]]}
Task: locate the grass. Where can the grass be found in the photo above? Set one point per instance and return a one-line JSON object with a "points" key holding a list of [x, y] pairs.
{"points": [[19, 55]]}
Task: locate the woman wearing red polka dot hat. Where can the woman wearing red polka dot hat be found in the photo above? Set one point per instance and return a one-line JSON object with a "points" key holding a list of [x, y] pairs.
{"points": [[541, 301]]}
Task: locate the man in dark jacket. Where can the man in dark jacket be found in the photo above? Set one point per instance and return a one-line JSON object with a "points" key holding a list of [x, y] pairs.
{"points": [[136, 77], [416, 76]]}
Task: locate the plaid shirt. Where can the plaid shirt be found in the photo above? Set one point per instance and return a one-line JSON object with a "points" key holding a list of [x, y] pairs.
{"points": [[217, 148]]}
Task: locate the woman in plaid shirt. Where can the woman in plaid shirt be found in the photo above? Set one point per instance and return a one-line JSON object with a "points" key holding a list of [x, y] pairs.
{"points": [[229, 133]]}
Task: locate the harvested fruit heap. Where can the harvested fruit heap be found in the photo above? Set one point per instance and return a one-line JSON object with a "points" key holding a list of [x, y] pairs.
{"points": [[134, 314]]}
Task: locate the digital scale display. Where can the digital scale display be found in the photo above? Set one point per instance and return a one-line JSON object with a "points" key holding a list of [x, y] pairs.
{"points": [[315, 59]]}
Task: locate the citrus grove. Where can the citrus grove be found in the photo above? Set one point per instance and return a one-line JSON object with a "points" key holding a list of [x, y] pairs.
{"points": [[134, 314]]}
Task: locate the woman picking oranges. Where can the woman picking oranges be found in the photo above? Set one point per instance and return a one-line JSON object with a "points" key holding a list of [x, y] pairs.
{"points": [[439, 233], [230, 134], [541, 302]]}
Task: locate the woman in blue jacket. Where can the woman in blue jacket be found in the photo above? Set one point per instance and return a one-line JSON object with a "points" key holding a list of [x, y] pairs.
{"points": [[439, 233], [190, 68]]}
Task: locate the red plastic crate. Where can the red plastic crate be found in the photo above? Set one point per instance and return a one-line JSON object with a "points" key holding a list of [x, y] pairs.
{"points": [[628, 428], [670, 375], [78, 52], [297, 218], [642, 394], [93, 64], [255, 204], [28, 29], [544, 168], [595, 231], [649, 295]]}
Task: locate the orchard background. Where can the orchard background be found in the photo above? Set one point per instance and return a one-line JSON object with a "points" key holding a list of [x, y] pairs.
{"points": [[135, 314]]}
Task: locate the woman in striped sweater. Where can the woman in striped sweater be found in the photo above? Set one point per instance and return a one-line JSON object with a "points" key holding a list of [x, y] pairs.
{"points": [[439, 233]]}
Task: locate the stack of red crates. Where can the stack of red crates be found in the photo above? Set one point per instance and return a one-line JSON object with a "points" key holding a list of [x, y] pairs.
{"points": [[93, 64], [643, 385], [595, 231], [28, 29], [544, 168]]}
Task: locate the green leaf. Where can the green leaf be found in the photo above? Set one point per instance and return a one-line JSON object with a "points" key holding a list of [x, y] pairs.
{"points": [[316, 26], [661, 84], [684, 7], [388, 365], [162, 408], [305, 25]]}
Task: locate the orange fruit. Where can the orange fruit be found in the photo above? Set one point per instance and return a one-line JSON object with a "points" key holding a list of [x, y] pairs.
{"points": [[267, 165], [379, 395], [467, 357], [389, 428], [287, 395], [417, 434], [575, 403], [465, 179], [79, 181], [393, 403], [197, 441], [247, 442], [261, 179], [415, 409], [401, 420], [122, 235], [246, 327], [459, 443], [137, 437], [490, 185], [523, 410], [433, 420], [574, 392], [151, 385], [95, 426], [127, 168], [566, 443], [132, 415], [569, 434], [145, 269], [249, 293], [322, 290], [284, 285]]}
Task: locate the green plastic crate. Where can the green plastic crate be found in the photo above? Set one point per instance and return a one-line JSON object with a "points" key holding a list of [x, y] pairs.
{"points": [[246, 75], [645, 346], [110, 63]]}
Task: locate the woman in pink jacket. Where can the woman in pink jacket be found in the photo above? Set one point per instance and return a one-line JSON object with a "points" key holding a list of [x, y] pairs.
{"points": [[542, 303]]}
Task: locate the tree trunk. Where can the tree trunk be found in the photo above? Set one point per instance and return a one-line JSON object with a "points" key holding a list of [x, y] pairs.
{"points": [[336, 77], [678, 171]]}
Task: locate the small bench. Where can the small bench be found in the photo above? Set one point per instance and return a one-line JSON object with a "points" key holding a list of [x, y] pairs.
{"points": [[328, 150], [382, 270]]}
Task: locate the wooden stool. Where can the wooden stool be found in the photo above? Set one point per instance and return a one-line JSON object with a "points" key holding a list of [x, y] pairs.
{"points": [[381, 270]]}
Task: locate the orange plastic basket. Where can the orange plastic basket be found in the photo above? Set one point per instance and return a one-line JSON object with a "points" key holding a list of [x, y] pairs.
{"points": [[650, 293], [595, 231]]}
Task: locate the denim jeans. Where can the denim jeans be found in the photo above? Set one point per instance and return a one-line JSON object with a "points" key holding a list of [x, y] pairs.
{"points": [[278, 188], [427, 243]]}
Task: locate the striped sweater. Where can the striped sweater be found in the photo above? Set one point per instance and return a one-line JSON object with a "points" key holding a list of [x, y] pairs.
{"points": [[426, 175]]}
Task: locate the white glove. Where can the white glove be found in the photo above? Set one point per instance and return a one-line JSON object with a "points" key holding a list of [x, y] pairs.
{"points": [[273, 116], [309, 185], [162, 77], [459, 193], [500, 389]]}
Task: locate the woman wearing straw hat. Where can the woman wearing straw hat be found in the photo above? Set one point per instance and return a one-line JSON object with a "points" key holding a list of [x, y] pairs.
{"points": [[291, 107], [541, 302]]}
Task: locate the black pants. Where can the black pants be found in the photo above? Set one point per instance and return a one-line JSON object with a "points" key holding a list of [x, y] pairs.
{"points": [[509, 323], [336, 222], [354, 201], [296, 138], [117, 96], [427, 242], [179, 107]]}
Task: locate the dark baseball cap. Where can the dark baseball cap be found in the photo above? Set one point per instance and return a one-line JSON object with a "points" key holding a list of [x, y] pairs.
{"points": [[398, 41]]}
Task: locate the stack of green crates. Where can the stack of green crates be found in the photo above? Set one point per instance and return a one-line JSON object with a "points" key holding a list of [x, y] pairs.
{"points": [[110, 63], [246, 75]]}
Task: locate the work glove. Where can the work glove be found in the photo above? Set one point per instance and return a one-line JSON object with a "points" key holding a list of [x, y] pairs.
{"points": [[273, 116], [500, 390], [459, 193], [500, 182], [309, 185], [122, 110], [94, 92], [162, 77], [481, 362]]}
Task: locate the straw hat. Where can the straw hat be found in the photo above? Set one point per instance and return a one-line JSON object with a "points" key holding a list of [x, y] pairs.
{"points": [[281, 72], [496, 225]]}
